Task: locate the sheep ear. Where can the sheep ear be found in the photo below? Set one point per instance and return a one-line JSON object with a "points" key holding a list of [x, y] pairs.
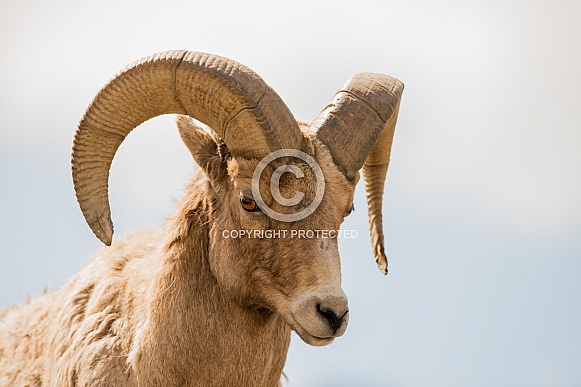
{"points": [[208, 151]]}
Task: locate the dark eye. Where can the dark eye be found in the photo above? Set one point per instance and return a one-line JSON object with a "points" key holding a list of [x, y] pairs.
{"points": [[248, 204]]}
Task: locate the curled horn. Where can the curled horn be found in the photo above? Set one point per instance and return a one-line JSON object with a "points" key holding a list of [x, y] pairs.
{"points": [[225, 95], [358, 127]]}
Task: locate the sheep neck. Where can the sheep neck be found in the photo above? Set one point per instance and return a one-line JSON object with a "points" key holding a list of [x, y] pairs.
{"points": [[192, 327]]}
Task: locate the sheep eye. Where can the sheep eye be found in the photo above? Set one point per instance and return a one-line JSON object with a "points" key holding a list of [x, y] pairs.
{"points": [[248, 204]]}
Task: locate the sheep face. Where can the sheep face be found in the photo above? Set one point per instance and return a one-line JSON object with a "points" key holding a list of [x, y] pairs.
{"points": [[291, 269]]}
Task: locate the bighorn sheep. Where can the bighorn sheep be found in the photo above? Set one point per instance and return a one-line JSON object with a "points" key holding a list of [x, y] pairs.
{"points": [[190, 305]]}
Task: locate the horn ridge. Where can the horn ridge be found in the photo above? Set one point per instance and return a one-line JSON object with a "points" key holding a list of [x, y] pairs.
{"points": [[223, 94], [358, 128]]}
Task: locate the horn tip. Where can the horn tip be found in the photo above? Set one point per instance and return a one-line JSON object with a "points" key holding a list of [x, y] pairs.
{"points": [[106, 239], [106, 242], [103, 231], [381, 260]]}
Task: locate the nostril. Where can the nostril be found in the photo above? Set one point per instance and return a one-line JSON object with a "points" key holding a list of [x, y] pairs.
{"points": [[331, 317]]}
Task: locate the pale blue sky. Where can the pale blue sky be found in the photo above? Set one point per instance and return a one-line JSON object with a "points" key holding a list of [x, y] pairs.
{"points": [[482, 210]]}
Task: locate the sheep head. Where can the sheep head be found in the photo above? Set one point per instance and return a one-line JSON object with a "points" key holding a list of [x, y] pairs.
{"points": [[256, 252], [268, 263]]}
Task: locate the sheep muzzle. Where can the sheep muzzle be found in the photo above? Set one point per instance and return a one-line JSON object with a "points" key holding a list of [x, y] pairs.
{"points": [[319, 317]]}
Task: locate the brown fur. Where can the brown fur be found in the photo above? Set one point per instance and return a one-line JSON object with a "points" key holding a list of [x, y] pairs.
{"points": [[185, 306]]}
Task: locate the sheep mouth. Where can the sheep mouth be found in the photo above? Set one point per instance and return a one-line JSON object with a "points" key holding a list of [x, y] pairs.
{"points": [[310, 338]]}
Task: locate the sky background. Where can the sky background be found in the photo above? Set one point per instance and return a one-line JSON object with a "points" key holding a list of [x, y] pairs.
{"points": [[481, 212]]}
